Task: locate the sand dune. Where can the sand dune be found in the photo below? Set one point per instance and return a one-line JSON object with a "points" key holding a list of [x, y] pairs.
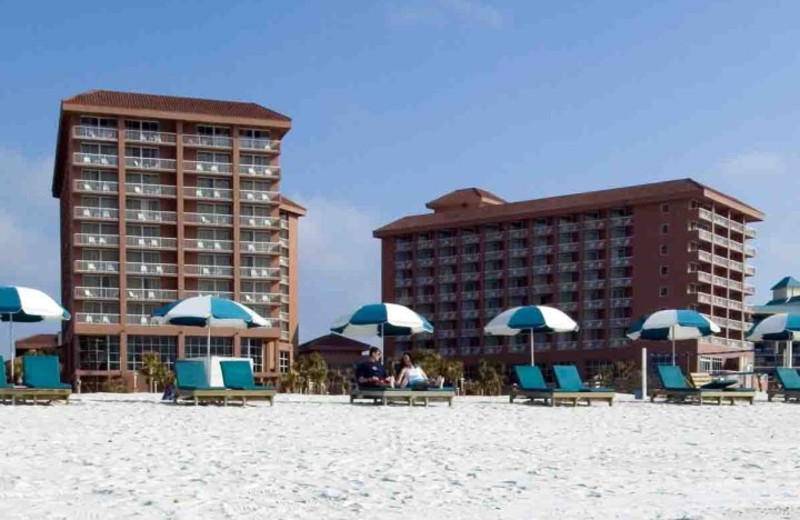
{"points": [[129, 456]]}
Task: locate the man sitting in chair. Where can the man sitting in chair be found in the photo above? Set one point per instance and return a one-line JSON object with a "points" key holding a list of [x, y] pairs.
{"points": [[373, 373]]}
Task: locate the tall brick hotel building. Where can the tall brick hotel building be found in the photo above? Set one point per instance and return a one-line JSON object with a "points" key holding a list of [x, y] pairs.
{"points": [[163, 198], [604, 257]]}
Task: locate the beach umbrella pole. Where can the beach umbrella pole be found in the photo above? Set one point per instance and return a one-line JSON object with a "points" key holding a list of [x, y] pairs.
{"points": [[208, 343], [644, 373], [672, 333], [12, 350], [531, 347]]}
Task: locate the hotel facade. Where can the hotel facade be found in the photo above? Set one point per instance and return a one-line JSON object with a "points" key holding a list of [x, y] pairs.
{"points": [[164, 198], [605, 258]]}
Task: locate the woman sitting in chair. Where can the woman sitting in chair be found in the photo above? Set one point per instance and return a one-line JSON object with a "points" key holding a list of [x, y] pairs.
{"points": [[411, 375]]}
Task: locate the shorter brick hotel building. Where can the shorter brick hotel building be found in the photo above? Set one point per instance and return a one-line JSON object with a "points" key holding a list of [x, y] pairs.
{"points": [[168, 197], [604, 257]]}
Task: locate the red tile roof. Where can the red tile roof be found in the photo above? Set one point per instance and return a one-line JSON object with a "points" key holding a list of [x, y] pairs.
{"points": [[185, 105]]}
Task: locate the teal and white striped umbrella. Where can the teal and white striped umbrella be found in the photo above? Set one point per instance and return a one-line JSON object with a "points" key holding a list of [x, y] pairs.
{"points": [[533, 318], [778, 327], [381, 320], [25, 305], [673, 325], [210, 312]]}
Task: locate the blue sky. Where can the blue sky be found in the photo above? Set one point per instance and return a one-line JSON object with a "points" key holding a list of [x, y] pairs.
{"points": [[395, 103]]}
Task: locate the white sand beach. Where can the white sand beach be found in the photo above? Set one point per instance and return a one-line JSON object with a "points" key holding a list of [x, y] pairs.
{"points": [[129, 456]]}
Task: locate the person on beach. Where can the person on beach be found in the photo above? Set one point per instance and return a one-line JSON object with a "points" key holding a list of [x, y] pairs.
{"points": [[373, 373], [412, 375]]}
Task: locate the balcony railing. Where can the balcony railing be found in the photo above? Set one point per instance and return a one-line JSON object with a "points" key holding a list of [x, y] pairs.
{"points": [[148, 268], [95, 159], [146, 136], [151, 190], [140, 319], [97, 293], [493, 293], [100, 187], [261, 298], [620, 282], [621, 221], [594, 224], [83, 212], [542, 230], [569, 247], [260, 247], [97, 318], [542, 269], [96, 266], [203, 244], [518, 291], [96, 240], [207, 141], [471, 238], [443, 297], [621, 262], [259, 222], [95, 133], [620, 322], [542, 250], [219, 168], [259, 145], [594, 304], [135, 242], [594, 244], [218, 294], [517, 233], [261, 273], [269, 197], [217, 271], [260, 170], [159, 295], [563, 268], [145, 215], [209, 219], [621, 302], [150, 163]]}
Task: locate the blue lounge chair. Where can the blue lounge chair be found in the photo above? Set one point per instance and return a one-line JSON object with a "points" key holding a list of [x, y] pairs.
{"points": [[42, 379], [238, 376], [789, 380], [675, 388], [191, 384], [569, 380]]}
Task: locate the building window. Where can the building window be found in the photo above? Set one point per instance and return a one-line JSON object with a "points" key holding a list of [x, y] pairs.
{"points": [[253, 348], [663, 291], [197, 347], [165, 347], [664, 250], [283, 362], [98, 352], [665, 208], [664, 270], [664, 229]]}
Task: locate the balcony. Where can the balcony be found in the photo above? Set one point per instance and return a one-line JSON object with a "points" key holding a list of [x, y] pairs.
{"points": [[565, 268], [620, 302], [264, 197], [194, 192], [470, 257], [448, 241], [621, 241], [620, 323], [493, 293], [621, 221], [443, 297], [271, 248], [144, 215], [566, 345], [201, 244], [421, 262], [470, 313], [249, 221], [542, 250], [97, 293], [542, 269], [594, 284], [470, 277], [568, 227], [207, 141], [621, 262], [95, 159], [568, 286], [620, 282], [151, 269], [619, 342], [98, 187], [403, 246], [446, 333], [448, 260], [493, 275], [151, 295], [260, 273], [518, 272], [141, 319], [207, 167], [425, 244], [517, 233], [259, 145], [447, 315], [87, 213], [592, 245], [592, 344], [594, 224], [518, 291], [150, 190], [135, 242], [150, 163], [260, 170], [403, 264], [542, 230], [425, 280], [494, 255], [749, 270], [470, 295], [570, 247], [208, 219], [447, 278], [148, 137], [97, 318], [96, 240], [470, 239], [256, 298], [405, 300], [284, 261], [212, 271], [471, 333], [542, 289], [594, 304], [750, 232], [568, 306], [96, 266], [518, 253], [94, 133], [219, 294]]}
